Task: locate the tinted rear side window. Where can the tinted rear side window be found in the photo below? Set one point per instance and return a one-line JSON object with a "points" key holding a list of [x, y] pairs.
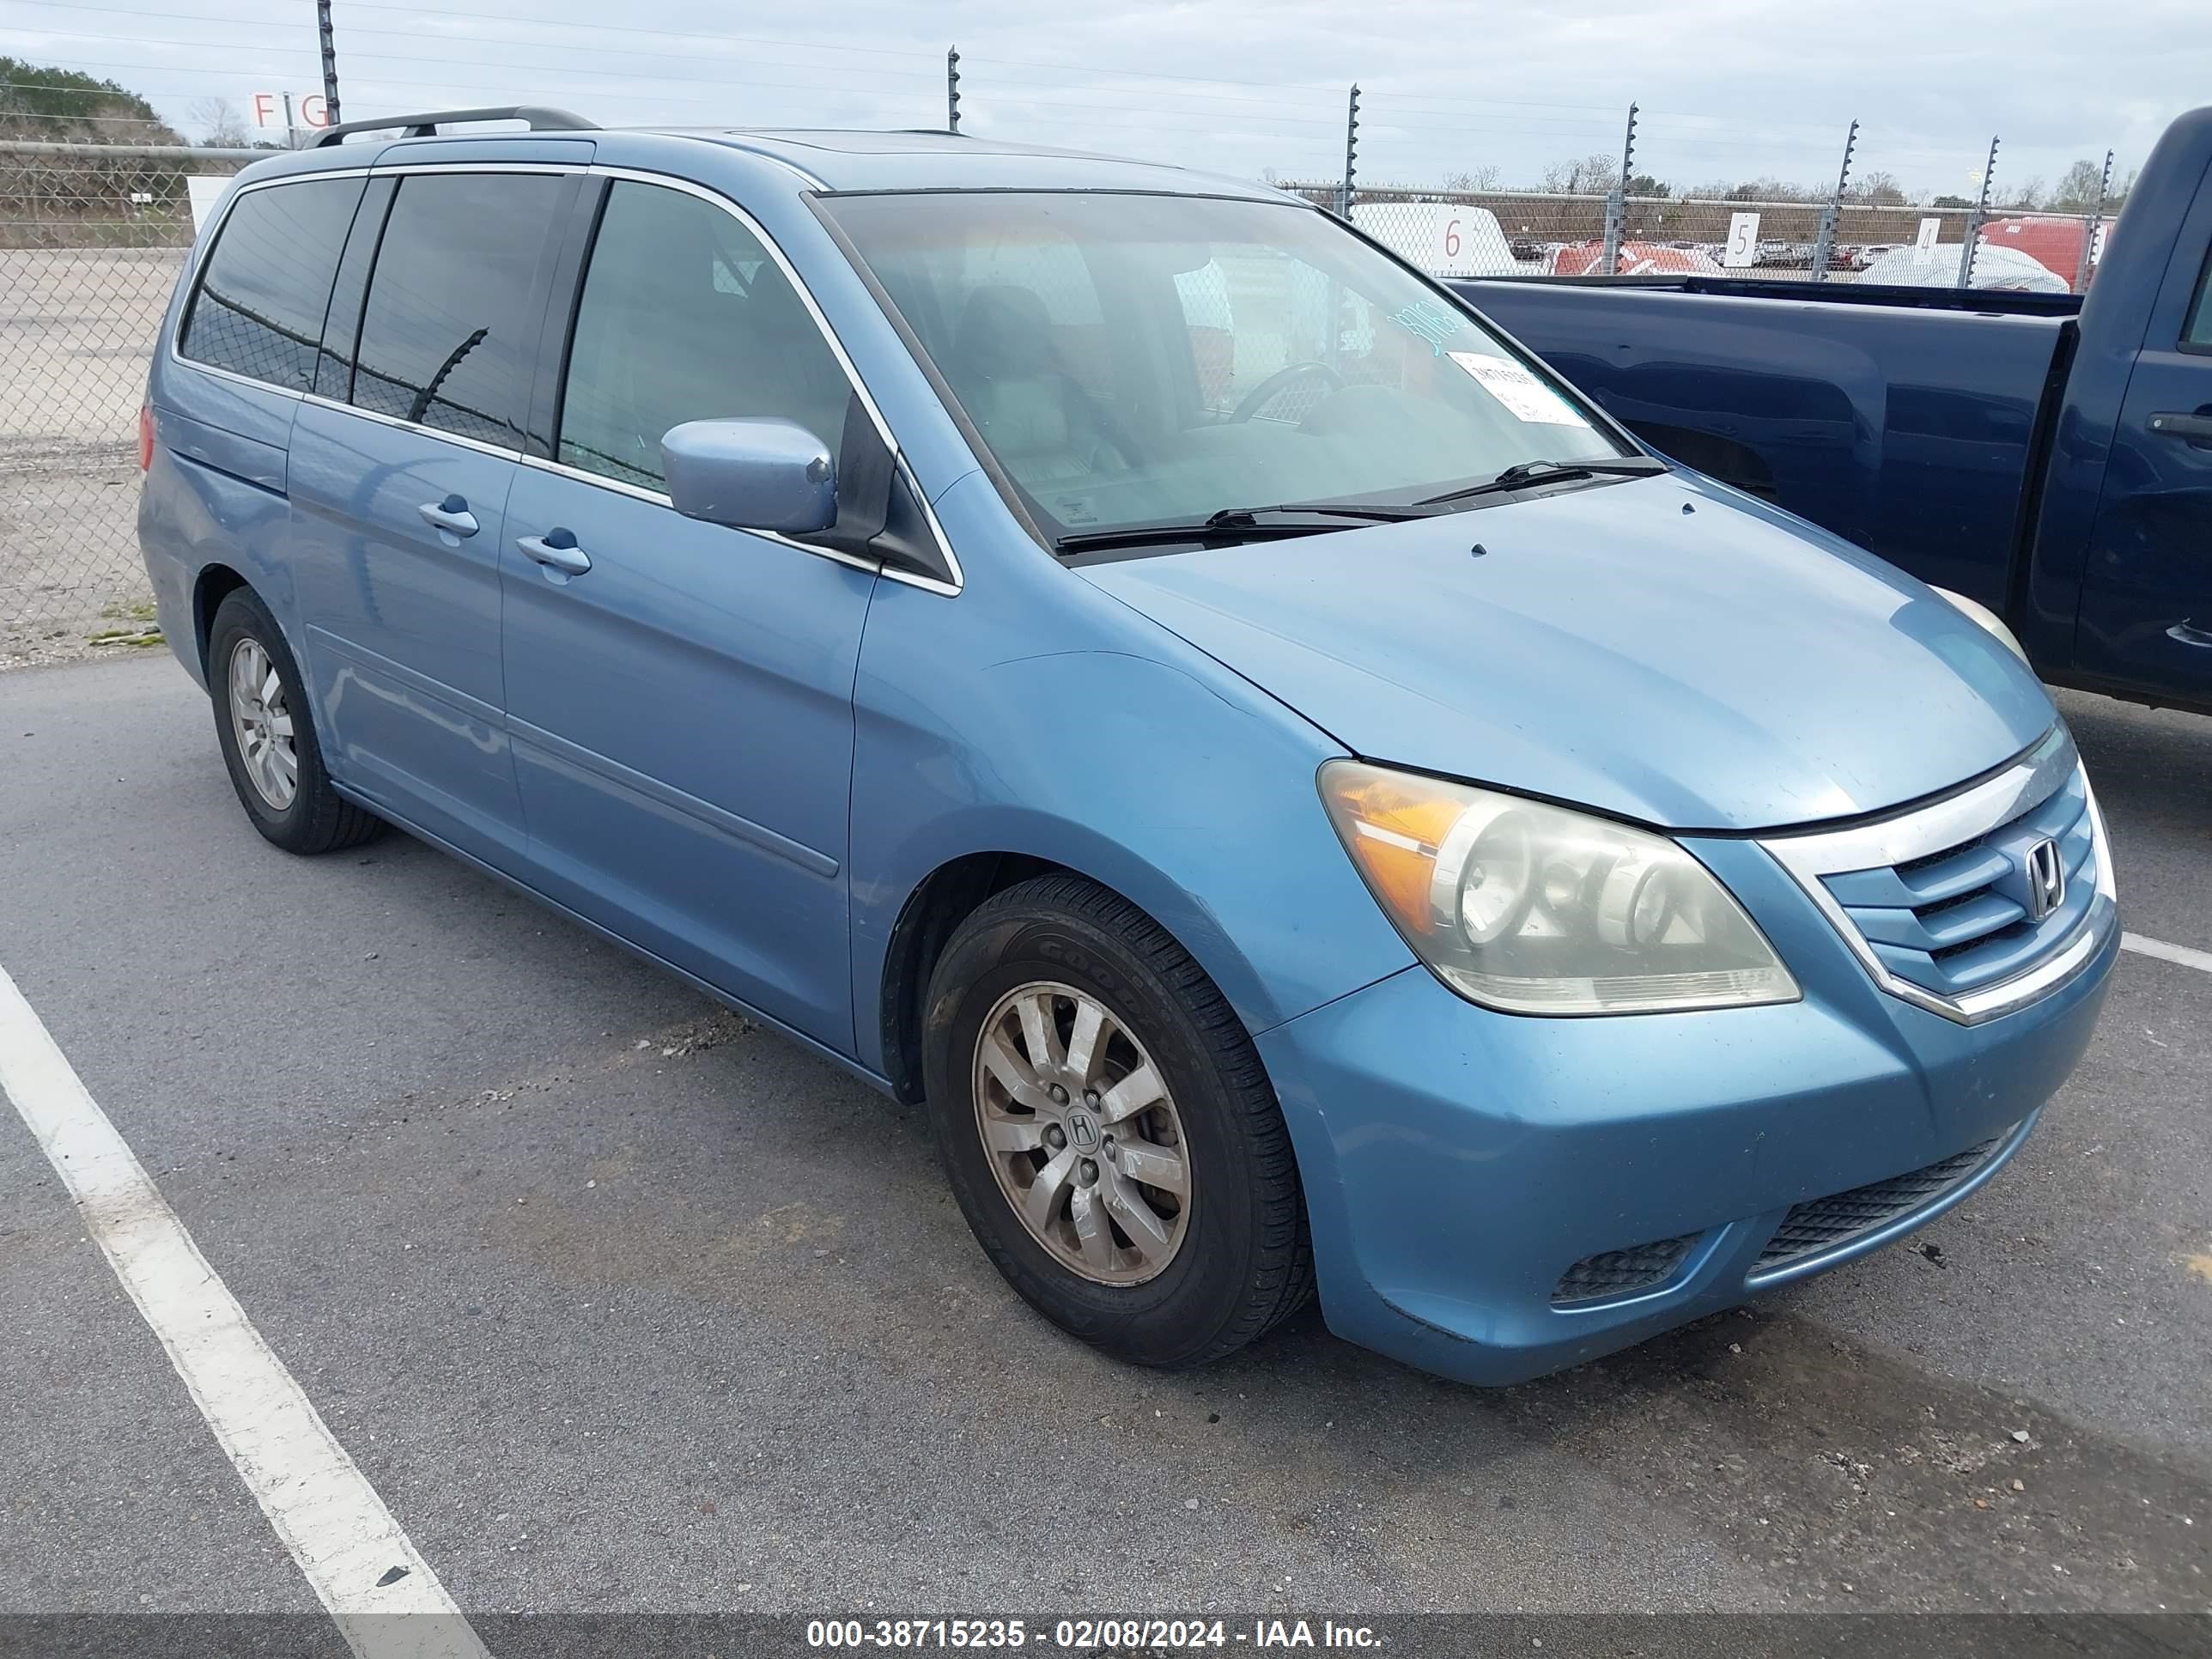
{"points": [[259, 309], [446, 334]]}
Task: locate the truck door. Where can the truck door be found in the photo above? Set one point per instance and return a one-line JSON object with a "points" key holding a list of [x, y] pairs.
{"points": [[2146, 616]]}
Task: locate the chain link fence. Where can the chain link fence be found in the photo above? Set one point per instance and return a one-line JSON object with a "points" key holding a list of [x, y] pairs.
{"points": [[92, 237], [1520, 234]]}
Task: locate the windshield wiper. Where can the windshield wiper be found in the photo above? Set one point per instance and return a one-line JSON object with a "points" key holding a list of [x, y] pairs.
{"points": [[1233, 523], [1528, 474]]}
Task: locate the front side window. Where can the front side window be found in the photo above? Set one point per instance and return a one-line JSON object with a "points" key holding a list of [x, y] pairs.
{"points": [[446, 333], [259, 309], [1133, 360], [684, 317]]}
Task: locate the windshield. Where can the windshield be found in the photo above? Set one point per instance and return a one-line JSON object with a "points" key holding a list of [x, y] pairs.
{"points": [[1135, 360]]}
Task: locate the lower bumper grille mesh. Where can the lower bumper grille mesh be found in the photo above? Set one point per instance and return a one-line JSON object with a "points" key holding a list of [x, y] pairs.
{"points": [[1617, 1272], [1822, 1224]]}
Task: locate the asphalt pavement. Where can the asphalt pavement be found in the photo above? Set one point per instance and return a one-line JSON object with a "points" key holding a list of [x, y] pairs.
{"points": [[624, 1306]]}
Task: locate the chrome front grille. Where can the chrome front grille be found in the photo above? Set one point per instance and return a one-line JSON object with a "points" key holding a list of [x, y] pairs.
{"points": [[1940, 902], [1958, 919]]}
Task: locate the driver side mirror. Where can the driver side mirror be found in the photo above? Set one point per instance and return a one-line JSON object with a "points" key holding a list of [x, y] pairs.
{"points": [[751, 475]]}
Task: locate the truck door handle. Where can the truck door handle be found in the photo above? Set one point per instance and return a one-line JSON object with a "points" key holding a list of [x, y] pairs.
{"points": [[2197, 428], [451, 515], [557, 550]]}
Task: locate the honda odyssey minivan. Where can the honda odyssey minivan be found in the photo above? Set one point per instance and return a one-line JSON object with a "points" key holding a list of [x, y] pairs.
{"points": [[1113, 654]]}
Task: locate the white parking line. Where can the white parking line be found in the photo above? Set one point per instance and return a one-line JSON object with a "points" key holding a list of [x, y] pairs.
{"points": [[362, 1566], [2183, 954]]}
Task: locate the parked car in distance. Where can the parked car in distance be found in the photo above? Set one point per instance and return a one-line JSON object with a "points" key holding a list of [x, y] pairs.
{"points": [[1636, 258], [1108, 655], [1997, 268], [2060, 243], [2045, 454]]}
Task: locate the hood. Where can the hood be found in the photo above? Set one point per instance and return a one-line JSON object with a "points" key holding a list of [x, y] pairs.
{"points": [[1726, 668]]}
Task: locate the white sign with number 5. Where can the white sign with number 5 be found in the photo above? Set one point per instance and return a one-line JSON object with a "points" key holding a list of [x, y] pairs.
{"points": [[1743, 247]]}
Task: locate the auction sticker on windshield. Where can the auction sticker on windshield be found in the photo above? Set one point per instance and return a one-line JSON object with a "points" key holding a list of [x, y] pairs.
{"points": [[1528, 398]]}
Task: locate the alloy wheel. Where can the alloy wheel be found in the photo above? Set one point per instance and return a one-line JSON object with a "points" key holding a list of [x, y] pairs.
{"points": [[1082, 1134], [261, 720]]}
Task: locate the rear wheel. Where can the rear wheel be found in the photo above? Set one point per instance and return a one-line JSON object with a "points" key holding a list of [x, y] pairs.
{"points": [[1109, 1130], [267, 736]]}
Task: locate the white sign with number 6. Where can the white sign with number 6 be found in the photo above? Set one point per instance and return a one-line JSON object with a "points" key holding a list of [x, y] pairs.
{"points": [[1743, 247]]}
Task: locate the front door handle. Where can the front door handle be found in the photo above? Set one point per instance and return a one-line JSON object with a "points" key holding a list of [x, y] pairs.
{"points": [[451, 515], [557, 550], [2197, 428]]}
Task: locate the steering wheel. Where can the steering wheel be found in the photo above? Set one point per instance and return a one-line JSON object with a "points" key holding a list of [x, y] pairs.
{"points": [[1258, 397]]}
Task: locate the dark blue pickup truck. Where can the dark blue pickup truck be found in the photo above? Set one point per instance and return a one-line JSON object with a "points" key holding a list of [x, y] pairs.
{"points": [[2049, 456]]}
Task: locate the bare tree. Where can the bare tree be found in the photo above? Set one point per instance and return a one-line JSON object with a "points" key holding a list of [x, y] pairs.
{"points": [[2078, 186], [1593, 175], [1876, 190], [1485, 177], [2030, 195], [221, 125]]}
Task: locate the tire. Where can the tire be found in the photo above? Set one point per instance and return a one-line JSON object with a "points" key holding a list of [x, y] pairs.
{"points": [[245, 648], [1230, 1257]]}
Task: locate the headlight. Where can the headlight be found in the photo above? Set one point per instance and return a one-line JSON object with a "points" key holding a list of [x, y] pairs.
{"points": [[1988, 618], [1535, 910]]}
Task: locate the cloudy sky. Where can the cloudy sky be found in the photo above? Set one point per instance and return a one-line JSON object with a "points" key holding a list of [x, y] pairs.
{"points": [[1729, 88]]}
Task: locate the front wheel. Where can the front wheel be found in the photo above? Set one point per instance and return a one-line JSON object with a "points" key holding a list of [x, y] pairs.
{"points": [[1109, 1130], [267, 734]]}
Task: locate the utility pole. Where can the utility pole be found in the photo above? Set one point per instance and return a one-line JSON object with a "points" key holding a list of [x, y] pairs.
{"points": [[1350, 153], [1824, 246], [952, 88], [1616, 205], [1974, 220], [330, 62]]}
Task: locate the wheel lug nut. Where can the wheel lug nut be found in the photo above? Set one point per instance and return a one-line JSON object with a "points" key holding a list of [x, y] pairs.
{"points": [[1059, 1095], [1055, 1137], [1090, 1096], [1088, 1173]]}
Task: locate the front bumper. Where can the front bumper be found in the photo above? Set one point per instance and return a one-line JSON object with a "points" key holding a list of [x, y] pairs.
{"points": [[1458, 1163]]}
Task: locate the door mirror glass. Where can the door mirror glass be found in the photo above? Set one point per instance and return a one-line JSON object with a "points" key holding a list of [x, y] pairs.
{"points": [[751, 475]]}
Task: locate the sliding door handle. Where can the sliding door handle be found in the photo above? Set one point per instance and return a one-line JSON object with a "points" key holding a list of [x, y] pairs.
{"points": [[451, 515]]}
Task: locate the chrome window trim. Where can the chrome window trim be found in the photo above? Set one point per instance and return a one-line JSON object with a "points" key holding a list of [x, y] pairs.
{"points": [[1920, 831], [657, 498], [502, 451], [401, 169]]}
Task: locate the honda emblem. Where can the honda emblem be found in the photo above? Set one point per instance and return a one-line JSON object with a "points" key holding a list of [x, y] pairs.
{"points": [[2046, 870]]}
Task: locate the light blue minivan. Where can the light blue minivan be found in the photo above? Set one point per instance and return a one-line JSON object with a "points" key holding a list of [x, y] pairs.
{"points": [[1110, 652]]}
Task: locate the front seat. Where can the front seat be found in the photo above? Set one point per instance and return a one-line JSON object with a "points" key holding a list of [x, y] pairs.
{"points": [[1039, 421]]}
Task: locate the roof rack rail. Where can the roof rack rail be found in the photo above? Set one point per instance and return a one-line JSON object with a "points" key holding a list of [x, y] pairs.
{"points": [[425, 126]]}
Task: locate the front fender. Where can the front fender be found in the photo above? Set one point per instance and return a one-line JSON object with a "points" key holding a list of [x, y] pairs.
{"points": [[1176, 785]]}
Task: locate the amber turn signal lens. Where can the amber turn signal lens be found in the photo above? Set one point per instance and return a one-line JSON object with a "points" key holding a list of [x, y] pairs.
{"points": [[1396, 827]]}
